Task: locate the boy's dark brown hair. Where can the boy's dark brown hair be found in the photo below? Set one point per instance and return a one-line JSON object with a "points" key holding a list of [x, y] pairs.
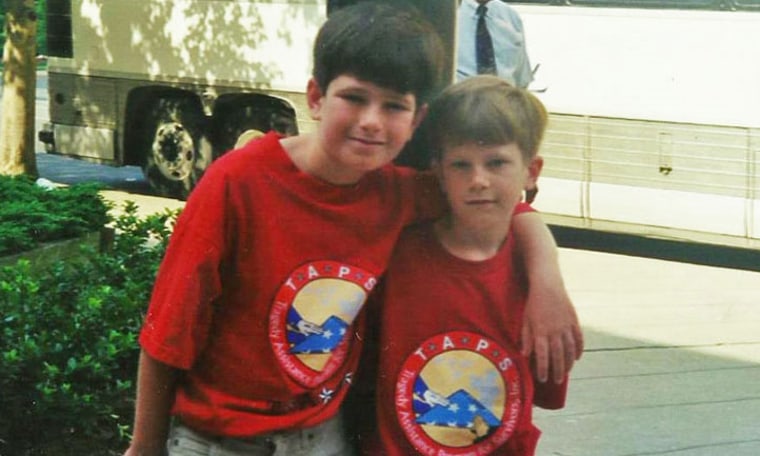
{"points": [[486, 110], [391, 46]]}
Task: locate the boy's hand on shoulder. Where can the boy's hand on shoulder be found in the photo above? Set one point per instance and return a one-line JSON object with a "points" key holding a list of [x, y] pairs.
{"points": [[551, 332]]}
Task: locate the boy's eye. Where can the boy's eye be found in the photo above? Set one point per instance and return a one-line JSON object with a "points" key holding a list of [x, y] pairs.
{"points": [[497, 163], [460, 164], [396, 106], [353, 98]]}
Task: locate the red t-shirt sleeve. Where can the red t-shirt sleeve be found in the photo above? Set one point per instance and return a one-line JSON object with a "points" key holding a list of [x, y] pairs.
{"points": [[522, 208], [177, 323], [550, 395]]}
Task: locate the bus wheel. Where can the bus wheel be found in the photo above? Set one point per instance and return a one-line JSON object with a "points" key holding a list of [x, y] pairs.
{"points": [[235, 128], [178, 152]]}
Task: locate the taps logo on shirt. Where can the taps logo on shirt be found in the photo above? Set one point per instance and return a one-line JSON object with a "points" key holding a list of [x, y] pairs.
{"points": [[311, 317], [459, 393]]}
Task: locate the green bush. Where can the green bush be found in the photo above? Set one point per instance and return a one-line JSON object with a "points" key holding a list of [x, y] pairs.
{"points": [[31, 214], [68, 349]]}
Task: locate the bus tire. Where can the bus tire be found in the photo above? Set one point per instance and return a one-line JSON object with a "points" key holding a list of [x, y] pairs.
{"points": [[177, 151], [237, 126]]}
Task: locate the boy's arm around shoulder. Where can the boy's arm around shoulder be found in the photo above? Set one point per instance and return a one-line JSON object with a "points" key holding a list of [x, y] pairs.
{"points": [[551, 330], [156, 383]]}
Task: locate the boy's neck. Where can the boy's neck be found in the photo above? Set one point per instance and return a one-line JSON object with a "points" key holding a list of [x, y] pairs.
{"points": [[469, 242], [305, 155]]}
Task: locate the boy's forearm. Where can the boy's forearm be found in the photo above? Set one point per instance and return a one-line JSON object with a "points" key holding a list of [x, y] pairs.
{"points": [[538, 248], [156, 383], [551, 330]]}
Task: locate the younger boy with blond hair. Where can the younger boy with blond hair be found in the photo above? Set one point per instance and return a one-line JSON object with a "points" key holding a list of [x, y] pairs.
{"points": [[450, 377]]}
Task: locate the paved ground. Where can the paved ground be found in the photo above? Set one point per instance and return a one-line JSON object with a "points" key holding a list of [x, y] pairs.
{"points": [[672, 365], [125, 183], [67, 170]]}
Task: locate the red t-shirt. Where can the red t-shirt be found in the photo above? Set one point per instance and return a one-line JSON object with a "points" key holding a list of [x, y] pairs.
{"points": [[259, 295], [450, 377]]}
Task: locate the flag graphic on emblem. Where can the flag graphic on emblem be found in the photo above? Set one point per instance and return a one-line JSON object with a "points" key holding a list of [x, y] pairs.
{"points": [[333, 330], [460, 412]]}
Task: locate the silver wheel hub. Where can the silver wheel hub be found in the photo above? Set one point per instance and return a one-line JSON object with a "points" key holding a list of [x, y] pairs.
{"points": [[173, 151]]}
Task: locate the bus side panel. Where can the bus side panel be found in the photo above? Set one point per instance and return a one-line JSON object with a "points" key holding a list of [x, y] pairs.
{"points": [[563, 185], [687, 177], [256, 44], [653, 64], [754, 194], [653, 119], [206, 48], [694, 158], [676, 175], [83, 114]]}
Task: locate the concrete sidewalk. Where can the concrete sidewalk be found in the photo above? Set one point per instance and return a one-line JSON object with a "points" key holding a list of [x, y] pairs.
{"points": [[672, 362]]}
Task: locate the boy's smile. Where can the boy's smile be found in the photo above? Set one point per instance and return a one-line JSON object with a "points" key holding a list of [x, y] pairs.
{"points": [[480, 202], [362, 127]]}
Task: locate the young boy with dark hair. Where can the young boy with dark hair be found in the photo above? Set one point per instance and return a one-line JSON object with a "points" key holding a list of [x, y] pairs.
{"points": [[451, 380], [255, 326]]}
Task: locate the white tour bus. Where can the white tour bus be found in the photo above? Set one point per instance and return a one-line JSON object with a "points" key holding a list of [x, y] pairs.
{"points": [[171, 85], [655, 115], [655, 104]]}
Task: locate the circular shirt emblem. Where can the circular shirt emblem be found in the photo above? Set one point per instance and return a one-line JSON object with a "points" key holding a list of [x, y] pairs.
{"points": [[311, 317], [459, 393]]}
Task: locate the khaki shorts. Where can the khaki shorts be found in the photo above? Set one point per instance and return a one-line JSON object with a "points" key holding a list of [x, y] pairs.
{"points": [[326, 439]]}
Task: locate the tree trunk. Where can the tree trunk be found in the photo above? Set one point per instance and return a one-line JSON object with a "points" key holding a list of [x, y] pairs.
{"points": [[17, 154]]}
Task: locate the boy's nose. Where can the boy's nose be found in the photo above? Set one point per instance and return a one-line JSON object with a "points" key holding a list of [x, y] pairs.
{"points": [[370, 118], [480, 178]]}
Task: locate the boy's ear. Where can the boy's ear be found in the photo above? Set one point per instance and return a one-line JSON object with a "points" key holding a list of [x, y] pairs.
{"points": [[314, 97], [534, 170]]}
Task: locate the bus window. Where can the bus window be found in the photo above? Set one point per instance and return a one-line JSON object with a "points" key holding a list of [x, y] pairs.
{"points": [[59, 36]]}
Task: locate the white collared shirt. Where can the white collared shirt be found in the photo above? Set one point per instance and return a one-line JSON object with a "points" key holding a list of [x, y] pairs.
{"points": [[506, 29]]}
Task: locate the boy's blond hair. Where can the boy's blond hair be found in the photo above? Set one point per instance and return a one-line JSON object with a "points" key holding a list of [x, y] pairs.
{"points": [[485, 110]]}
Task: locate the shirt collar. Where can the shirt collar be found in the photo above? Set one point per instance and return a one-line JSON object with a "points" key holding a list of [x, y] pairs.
{"points": [[470, 5]]}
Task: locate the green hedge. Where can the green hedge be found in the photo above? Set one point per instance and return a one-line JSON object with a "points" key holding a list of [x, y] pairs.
{"points": [[68, 350], [31, 214]]}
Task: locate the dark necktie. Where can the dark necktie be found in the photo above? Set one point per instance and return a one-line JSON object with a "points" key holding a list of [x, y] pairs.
{"points": [[483, 44]]}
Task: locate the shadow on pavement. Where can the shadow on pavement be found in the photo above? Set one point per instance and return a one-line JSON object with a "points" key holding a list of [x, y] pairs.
{"points": [[646, 399]]}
